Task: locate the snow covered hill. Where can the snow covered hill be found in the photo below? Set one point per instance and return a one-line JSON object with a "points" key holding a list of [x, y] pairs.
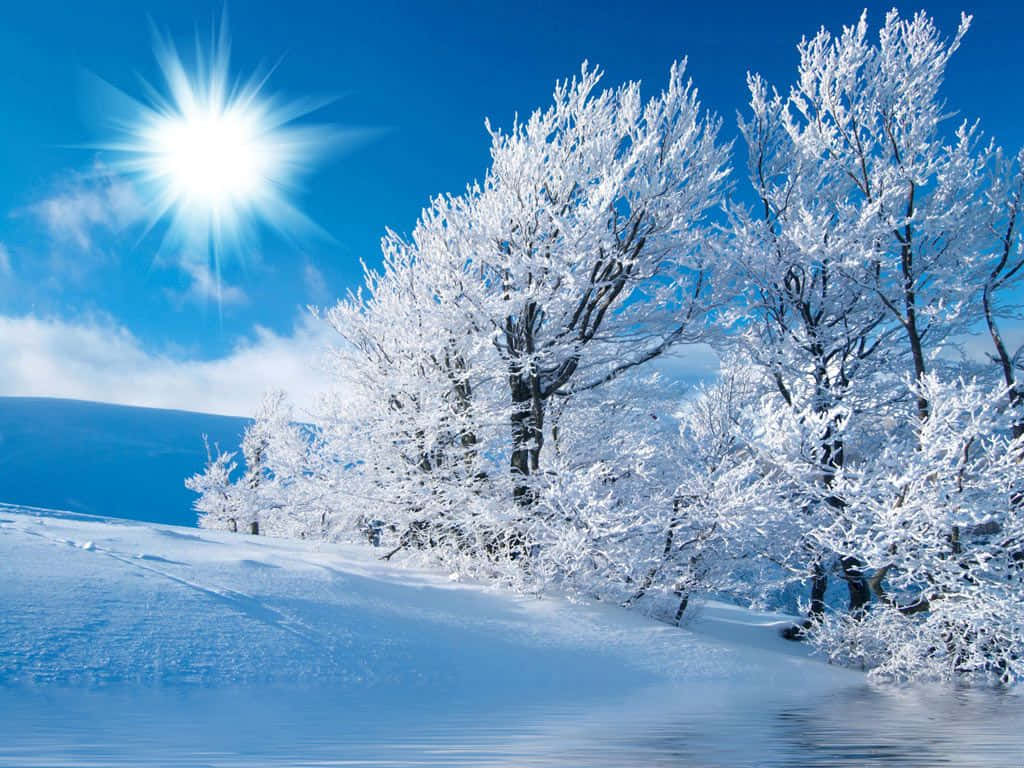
{"points": [[126, 601], [114, 460]]}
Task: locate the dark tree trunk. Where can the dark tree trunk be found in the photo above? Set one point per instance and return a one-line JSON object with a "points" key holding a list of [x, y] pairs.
{"points": [[909, 320], [860, 593], [665, 553], [684, 600], [1003, 358], [527, 436], [917, 350], [819, 583], [833, 460]]}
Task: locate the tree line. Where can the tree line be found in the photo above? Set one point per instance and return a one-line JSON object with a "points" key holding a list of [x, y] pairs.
{"points": [[498, 407]]}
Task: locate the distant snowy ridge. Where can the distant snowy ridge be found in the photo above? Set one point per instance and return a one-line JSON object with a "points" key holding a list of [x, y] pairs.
{"points": [[98, 458]]}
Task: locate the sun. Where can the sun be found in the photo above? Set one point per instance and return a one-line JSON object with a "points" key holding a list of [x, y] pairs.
{"points": [[214, 156]]}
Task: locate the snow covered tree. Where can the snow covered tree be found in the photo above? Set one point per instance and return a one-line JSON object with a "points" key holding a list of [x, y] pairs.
{"points": [[905, 198], [713, 487], [579, 257], [806, 315], [865, 252], [406, 422], [589, 233], [606, 494], [278, 493]]}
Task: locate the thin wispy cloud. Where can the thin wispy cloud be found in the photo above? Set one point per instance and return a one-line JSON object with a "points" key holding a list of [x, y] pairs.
{"points": [[315, 284], [85, 205], [6, 270], [90, 218], [206, 288]]}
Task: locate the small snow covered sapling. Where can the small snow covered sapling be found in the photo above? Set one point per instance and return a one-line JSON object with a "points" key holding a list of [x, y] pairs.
{"points": [[215, 505]]}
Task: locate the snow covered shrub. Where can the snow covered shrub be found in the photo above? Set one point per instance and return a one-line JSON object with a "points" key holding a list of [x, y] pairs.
{"points": [[216, 504], [720, 488], [771, 496], [938, 524], [605, 499], [277, 492]]}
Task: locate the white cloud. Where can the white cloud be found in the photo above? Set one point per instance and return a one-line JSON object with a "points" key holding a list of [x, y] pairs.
{"points": [[102, 361], [5, 261], [205, 287], [316, 285], [688, 364], [978, 347], [86, 204]]}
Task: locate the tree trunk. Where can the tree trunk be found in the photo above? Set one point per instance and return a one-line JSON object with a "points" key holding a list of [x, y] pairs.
{"points": [[1014, 393], [684, 600], [833, 460], [917, 350], [914, 335], [860, 593], [527, 436], [819, 583]]}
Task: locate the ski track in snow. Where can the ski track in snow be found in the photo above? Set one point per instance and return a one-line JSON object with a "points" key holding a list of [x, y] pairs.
{"points": [[234, 599]]}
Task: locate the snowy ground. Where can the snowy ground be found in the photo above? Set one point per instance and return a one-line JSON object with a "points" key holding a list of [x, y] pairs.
{"points": [[180, 641], [93, 600]]}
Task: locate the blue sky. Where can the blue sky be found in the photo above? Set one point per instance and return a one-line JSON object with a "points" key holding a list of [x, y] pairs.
{"points": [[86, 307]]}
